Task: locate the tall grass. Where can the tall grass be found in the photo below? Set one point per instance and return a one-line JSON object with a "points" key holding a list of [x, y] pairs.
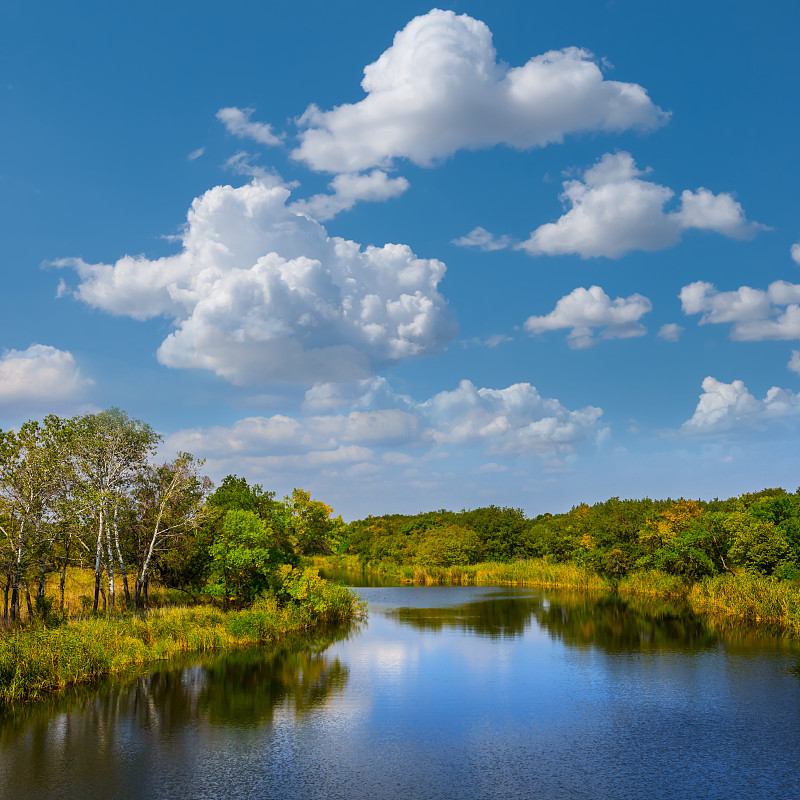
{"points": [[754, 598], [652, 583], [35, 660], [531, 572]]}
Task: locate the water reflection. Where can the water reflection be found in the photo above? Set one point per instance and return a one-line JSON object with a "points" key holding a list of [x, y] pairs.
{"points": [[581, 620], [103, 736], [463, 692]]}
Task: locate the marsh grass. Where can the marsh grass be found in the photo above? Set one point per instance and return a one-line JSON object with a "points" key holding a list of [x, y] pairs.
{"points": [[754, 598], [531, 572], [37, 659], [652, 583]]}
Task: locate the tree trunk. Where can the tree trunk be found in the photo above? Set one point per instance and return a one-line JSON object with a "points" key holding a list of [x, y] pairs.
{"points": [[97, 570], [5, 594], [110, 569], [122, 569], [28, 601], [15, 595], [43, 572], [64, 571]]}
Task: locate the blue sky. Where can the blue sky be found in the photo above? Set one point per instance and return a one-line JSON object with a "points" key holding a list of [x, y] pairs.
{"points": [[529, 254]]}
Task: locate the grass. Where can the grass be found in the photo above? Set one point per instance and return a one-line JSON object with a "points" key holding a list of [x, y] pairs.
{"points": [[36, 659], [531, 572], [753, 598]]}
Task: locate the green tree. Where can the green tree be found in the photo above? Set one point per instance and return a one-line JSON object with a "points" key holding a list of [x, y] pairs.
{"points": [[244, 558]]}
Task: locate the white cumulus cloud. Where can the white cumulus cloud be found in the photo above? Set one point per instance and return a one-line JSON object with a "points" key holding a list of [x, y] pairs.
{"points": [[40, 378], [612, 211], [347, 190], [515, 421], [440, 88], [755, 314], [260, 294], [795, 251], [237, 122], [794, 362], [583, 310], [730, 406]]}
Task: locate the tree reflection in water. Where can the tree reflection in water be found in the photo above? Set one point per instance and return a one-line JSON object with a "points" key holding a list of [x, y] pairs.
{"points": [[579, 619], [89, 729]]}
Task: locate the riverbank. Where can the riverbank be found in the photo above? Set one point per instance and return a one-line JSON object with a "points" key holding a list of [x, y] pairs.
{"points": [[752, 598], [36, 660]]}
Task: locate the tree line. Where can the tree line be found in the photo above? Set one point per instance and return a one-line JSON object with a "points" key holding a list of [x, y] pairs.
{"points": [[87, 491], [756, 533]]}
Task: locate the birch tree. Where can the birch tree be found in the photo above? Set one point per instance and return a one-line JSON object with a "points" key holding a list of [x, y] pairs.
{"points": [[111, 449], [170, 503]]}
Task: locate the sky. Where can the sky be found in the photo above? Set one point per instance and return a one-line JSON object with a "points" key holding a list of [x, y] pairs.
{"points": [[527, 254]]}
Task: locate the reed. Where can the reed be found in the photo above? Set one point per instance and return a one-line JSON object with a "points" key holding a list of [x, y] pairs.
{"points": [[35, 660], [754, 598], [530, 572], [652, 583]]}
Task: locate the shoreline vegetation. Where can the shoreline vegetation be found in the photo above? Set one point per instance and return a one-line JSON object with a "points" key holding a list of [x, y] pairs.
{"points": [[737, 558], [754, 599], [95, 535], [40, 658]]}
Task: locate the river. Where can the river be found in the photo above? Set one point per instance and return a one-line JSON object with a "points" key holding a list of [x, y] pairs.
{"points": [[457, 692]]}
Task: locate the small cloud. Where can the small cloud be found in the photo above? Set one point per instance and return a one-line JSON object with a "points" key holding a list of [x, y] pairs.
{"points": [[670, 332], [483, 240], [796, 253], [794, 362], [348, 189], [491, 467], [583, 310], [613, 211], [237, 122], [725, 407], [495, 340], [756, 314], [40, 378], [195, 154]]}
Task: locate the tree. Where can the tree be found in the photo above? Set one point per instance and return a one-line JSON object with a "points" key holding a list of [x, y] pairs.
{"points": [[110, 449], [244, 558], [310, 523], [33, 468], [169, 503]]}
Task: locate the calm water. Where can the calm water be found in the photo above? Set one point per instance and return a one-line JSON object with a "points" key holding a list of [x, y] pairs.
{"points": [[459, 692]]}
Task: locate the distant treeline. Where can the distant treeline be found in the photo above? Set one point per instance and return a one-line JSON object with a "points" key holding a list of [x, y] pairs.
{"points": [[755, 533]]}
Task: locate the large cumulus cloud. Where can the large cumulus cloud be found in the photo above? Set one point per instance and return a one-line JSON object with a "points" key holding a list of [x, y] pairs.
{"points": [[260, 294], [440, 88]]}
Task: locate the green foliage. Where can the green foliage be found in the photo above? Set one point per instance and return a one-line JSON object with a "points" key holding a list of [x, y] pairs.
{"points": [[688, 539], [244, 557], [757, 545], [234, 494]]}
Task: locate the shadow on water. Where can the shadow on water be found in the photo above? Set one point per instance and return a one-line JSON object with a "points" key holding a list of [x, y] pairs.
{"points": [[581, 620]]}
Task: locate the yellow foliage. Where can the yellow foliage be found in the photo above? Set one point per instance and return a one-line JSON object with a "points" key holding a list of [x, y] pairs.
{"points": [[670, 522]]}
